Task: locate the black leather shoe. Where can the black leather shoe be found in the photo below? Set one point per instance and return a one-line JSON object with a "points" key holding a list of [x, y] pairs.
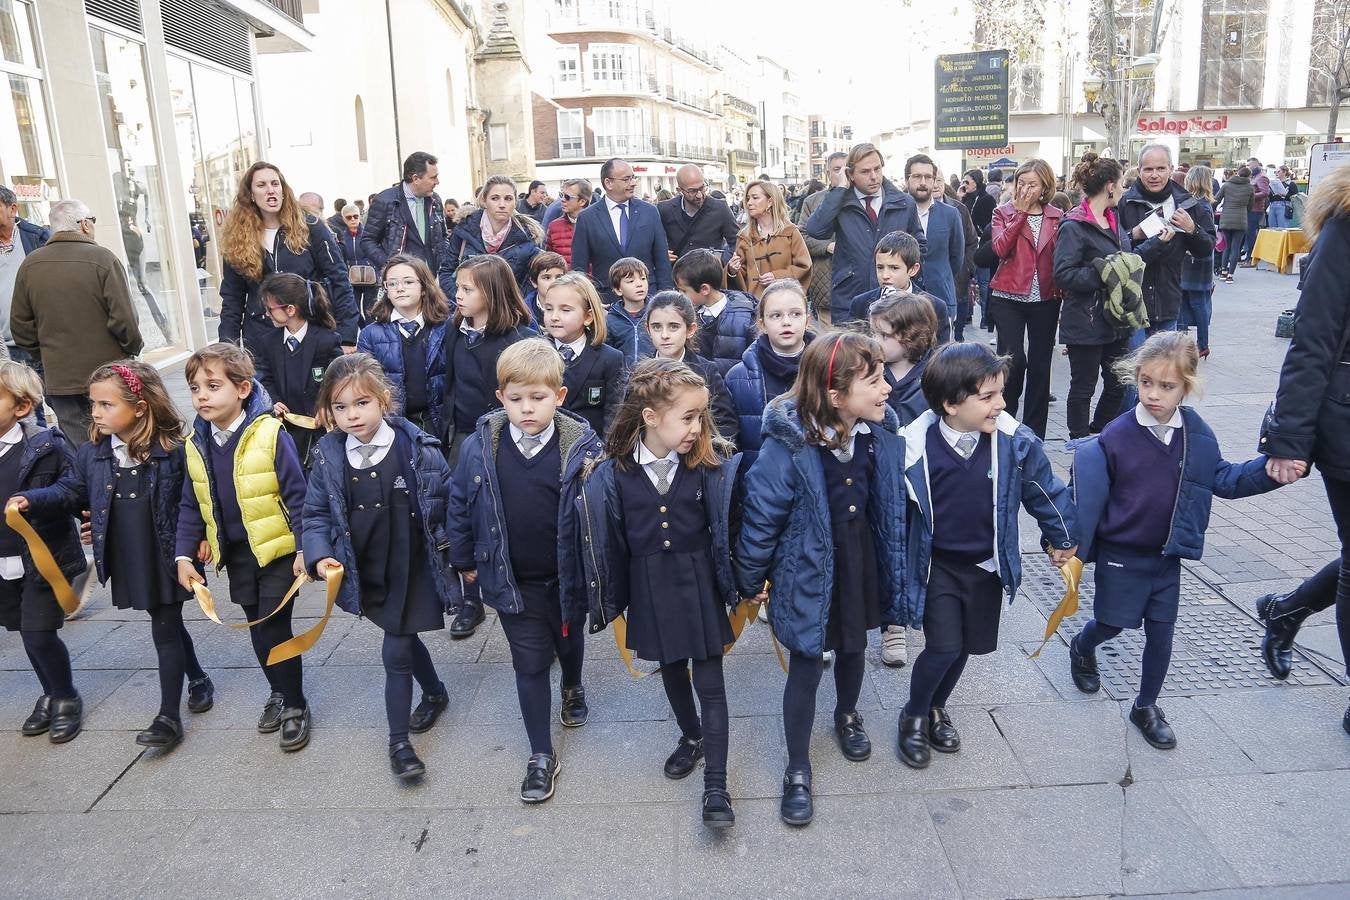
{"points": [[686, 756], [1083, 668], [468, 619], [201, 694], [270, 720], [1152, 724], [164, 733], [574, 709], [853, 740], [294, 728], [942, 734], [40, 719], [913, 743], [404, 762], [425, 714], [1277, 644], [540, 774], [717, 812], [797, 808], [67, 719]]}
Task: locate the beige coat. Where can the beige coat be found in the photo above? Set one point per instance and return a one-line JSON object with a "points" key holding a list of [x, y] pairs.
{"points": [[72, 309], [784, 254]]}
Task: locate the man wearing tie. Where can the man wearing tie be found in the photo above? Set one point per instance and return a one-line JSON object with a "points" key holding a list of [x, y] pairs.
{"points": [[855, 216], [620, 226], [408, 217]]}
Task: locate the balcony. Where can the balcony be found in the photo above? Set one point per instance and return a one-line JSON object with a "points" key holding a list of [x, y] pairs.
{"points": [[292, 8], [745, 157], [697, 101], [639, 145]]}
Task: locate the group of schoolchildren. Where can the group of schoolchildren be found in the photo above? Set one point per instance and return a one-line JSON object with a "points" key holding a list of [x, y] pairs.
{"points": [[651, 465]]}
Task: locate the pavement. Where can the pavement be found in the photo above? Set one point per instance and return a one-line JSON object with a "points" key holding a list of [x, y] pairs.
{"points": [[1052, 794]]}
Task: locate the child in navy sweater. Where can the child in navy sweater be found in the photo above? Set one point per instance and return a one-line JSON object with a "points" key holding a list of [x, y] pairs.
{"points": [[574, 318], [898, 259], [292, 357], [671, 325], [968, 465], [241, 508], [1143, 488], [512, 494]]}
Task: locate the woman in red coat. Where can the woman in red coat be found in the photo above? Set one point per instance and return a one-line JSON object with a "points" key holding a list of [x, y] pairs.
{"points": [[1024, 298], [575, 196]]}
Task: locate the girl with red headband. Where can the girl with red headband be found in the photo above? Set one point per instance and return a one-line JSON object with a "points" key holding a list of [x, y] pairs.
{"points": [[823, 522], [130, 478]]}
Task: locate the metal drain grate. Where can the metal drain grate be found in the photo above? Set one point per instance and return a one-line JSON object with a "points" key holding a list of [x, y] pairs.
{"points": [[1217, 646]]}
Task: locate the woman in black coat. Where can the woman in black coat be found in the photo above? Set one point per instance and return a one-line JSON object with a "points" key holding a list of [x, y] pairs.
{"points": [[265, 232], [1087, 235], [1310, 420], [349, 242]]}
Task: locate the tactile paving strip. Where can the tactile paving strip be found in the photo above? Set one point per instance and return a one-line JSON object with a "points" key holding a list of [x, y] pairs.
{"points": [[1217, 646]]}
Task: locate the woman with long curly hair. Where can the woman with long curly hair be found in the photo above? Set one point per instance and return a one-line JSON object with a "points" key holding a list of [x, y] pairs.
{"points": [[265, 232]]}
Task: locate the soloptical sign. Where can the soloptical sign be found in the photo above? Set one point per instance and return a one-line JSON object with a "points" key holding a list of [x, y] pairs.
{"points": [[970, 103]]}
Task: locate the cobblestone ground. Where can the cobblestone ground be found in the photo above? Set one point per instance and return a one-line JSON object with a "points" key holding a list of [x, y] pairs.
{"points": [[1053, 793]]}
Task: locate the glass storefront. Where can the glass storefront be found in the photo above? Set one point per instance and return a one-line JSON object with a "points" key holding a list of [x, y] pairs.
{"points": [[1220, 153], [27, 162], [138, 184]]}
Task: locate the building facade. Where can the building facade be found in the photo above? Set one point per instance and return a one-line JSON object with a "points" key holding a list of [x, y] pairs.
{"points": [[827, 135], [623, 79], [148, 111], [740, 118]]}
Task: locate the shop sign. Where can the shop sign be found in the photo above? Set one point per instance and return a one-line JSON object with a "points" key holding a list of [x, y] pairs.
{"points": [[992, 152], [642, 169], [1193, 125], [32, 193]]}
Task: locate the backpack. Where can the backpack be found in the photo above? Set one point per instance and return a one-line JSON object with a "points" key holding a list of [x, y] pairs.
{"points": [[1122, 275]]}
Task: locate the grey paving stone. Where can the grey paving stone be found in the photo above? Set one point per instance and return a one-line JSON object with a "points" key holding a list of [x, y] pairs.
{"points": [[852, 848], [1204, 749], [1054, 841], [1323, 639], [1164, 850], [1286, 729], [1054, 666], [1066, 743], [19, 690], [43, 777], [78, 637], [1274, 829]]}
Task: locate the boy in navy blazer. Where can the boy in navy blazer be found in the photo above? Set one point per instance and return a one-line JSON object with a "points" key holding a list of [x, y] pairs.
{"points": [[620, 225]]}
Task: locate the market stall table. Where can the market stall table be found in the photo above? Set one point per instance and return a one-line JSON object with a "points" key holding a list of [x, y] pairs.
{"points": [[1278, 246]]}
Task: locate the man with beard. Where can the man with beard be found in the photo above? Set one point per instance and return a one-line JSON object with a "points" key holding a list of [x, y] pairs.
{"points": [[941, 224]]}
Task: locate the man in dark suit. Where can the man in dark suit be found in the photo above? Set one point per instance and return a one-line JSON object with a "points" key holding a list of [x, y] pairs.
{"points": [[943, 231], [695, 221], [620, 225], [408, 217]]}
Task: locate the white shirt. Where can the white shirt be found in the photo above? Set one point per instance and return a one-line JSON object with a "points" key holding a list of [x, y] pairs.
{"points": [[299, 334], [577, 346], [614, 215], [646, 457], [395, 316], [951, 436], [465, 327], [269, 240], [876, 201], [384, 439], [1145, 418], [923, 216], [544, 437], [11, 567], [233, 429], [847, 449], [119, 448], [414, 202], [713, 309]]}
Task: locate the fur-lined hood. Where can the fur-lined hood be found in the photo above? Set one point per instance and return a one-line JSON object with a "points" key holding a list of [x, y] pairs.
{"points": [[782, 423], [1331, 199]]}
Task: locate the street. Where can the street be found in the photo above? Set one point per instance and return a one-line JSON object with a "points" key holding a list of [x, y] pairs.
{"points": [[1054, 793]]}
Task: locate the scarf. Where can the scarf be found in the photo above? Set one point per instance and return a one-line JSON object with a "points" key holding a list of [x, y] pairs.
{"points": [[1109, 213], [493, 240], [780, 372], [1152, 197]]}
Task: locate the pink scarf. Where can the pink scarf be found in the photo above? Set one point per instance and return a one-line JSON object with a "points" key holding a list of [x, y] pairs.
{"points": [[1109, 213], [493, 240]]}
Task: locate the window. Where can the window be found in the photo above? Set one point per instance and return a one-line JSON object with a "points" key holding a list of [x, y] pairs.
{"points": [[499, 144], [613, 67], [618, 131], [1233, 60], [361, 130], [569, 69], [1328, 37], [27, 162], [571, 134]]}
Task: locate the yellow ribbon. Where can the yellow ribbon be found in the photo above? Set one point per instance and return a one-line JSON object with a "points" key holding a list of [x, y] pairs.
{"points": [[43, 559], [620, 624], [302, 642], [1072, 573], [208, 603], [300, 422]]}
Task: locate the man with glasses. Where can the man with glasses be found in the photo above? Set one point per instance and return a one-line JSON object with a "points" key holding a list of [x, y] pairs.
{"points": [[86, 317], [575, 196], [694, 220], [363, 282], [942, 228], [18, 238], [619, 226]]}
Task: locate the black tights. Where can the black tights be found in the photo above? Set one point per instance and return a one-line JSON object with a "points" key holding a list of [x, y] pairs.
{"points": [[51, 662], [285, 678], [932, 679], [405, 658], [177, 656], [1331, 585], [712, 700], [799, 700], [536, 695], [1157, 653]]}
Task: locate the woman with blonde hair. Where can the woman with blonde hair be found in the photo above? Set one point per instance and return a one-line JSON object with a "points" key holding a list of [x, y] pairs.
{"points": [[496, 227], [266, 231], [769, 246], [1197, 272]]}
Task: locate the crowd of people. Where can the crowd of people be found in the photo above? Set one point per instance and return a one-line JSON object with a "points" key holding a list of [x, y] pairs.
{"points": [[665, 418]]}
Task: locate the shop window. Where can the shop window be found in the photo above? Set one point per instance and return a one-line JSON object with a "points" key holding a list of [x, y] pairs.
{"points": [[27, 160], [1233, 53], [361, 153], [1325, 52]]}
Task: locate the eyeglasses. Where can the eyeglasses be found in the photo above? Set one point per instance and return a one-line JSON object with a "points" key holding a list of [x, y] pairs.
{"points": [[570, 198], [795, 315], [695, 191], [628, 179], [92, 220], [406, 283], [353, 217], [273, 309]]}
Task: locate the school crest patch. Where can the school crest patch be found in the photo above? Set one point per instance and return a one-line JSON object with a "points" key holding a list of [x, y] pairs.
{"points": [[593, 395]]}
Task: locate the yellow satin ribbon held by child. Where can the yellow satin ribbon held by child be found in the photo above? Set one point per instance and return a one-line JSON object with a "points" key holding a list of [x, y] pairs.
{"points": [[302, 642], [1072, 573], [746, 612], [43, 559], [208, 603], [620, 629], [300, 422]]}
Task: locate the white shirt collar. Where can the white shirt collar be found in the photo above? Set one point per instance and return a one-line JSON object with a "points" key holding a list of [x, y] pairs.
{"points": [[862, 198], [859, 427], [121, 452], [951, 435], [577, 346], [384, 437], [299, 335], [14, 435], [465, 327], [645, 457], [613, 207], [715, 309], [395, 316], [1145, 418], [215, 430], [544, 436]]}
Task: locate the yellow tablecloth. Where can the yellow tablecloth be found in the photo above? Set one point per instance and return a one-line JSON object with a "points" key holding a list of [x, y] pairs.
{"points": [[1277, 246]]}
